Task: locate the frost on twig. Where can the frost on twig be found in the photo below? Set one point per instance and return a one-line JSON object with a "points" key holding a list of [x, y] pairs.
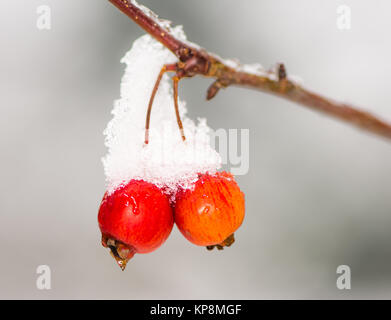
{"points": [[193, 60]]}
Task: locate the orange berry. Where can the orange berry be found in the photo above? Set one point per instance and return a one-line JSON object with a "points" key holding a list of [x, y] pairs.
{"points": [[209, 214]]}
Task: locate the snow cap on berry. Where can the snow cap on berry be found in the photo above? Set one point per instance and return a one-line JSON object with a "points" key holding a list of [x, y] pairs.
{"points": [[166, 161]]}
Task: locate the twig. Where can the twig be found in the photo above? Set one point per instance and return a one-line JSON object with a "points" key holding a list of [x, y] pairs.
{"points": [[194, 60]]}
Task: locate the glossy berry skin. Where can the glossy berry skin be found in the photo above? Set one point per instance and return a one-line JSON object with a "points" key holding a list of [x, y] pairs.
{"points": [[212, 212], [136, 218]]}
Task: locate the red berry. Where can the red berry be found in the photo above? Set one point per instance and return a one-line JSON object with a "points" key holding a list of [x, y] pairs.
{"points": [[209, 214], [136, 218]]}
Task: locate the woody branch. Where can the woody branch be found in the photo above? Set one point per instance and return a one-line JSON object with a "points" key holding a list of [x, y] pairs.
{"points": [[195, 61]]}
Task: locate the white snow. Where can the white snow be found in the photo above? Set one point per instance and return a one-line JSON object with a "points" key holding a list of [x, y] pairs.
{"points": [[166, 24], [177, 32], [166, 161], [255, 68]]}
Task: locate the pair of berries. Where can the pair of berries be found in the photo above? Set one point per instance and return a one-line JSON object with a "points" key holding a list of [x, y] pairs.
{"points": [[138, 217]]}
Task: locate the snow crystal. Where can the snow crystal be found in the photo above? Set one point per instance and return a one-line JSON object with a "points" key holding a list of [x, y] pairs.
{"points": [[166, 161], [255, 69], [177, 32], [166, 24]]}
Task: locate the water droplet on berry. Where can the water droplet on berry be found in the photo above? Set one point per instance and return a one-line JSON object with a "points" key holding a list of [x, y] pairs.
{"points": [[134, 206], [206, 209]]}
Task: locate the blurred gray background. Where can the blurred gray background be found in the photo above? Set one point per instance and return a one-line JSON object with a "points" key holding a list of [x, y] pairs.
{"points": [[318, 191]]}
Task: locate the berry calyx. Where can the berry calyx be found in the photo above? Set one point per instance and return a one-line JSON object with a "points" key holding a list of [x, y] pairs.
{"points": [[209, 214], [136, 218]]}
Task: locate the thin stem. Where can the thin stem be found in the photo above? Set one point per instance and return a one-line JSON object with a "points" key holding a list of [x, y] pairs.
{"points": [[166, 68], [155, 88], [178, 117]]}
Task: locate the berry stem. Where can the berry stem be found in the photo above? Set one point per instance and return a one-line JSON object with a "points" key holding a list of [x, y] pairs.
{"points": [[195, 61], [178, 117], [166, 68], [155, 88]]}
